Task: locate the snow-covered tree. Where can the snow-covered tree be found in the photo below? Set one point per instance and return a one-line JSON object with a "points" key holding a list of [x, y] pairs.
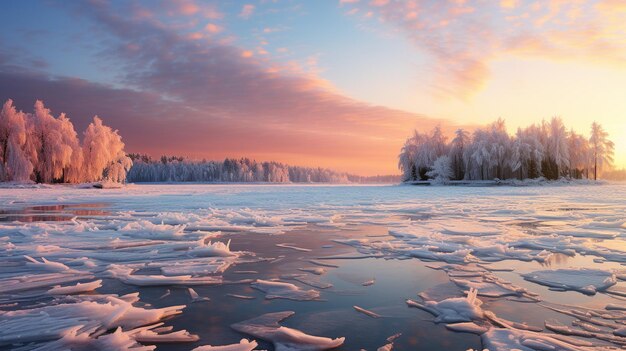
{"points": [[578, 147], [601, 149], [441, 171], [47, 149], [557, 151], [420, 151], [14, 165], [53, 154], [477, 156], [457, 147], [499, 142], [72, 172], [531, 151], [103, 152], [406, 159]]}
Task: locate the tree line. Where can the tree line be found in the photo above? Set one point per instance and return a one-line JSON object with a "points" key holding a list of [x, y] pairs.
{"points": [[42, 148], [178, 169], [545, 150]]}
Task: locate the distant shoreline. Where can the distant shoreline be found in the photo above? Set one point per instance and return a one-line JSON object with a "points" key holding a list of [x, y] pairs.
{"points": [[507, 182]]}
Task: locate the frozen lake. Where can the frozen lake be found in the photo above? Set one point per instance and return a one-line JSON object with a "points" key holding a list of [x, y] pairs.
{"points": [[376, 265]]}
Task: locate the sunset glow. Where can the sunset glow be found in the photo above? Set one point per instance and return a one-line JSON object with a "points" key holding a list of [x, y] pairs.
{"points": [[337, 84], [312, 175]]}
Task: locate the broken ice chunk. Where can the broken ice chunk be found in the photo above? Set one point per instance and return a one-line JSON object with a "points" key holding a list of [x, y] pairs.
{"points": [[584, 280], [369, 282], [212, 249], [367, 312], [314, 270], [75, 289], [125, 274], [453, 310], [147, 230], [244, 345], [281, 290], [195, 297], [46, 265], [266, 327]]}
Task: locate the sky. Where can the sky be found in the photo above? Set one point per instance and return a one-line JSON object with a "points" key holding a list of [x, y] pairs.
{"points": [[330, 83]]}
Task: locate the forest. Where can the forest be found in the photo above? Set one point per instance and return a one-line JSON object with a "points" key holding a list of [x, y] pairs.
{"points": [[42, 148], [545, 150], [177, 169]]}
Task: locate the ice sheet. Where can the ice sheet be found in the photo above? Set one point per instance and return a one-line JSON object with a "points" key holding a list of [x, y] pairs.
{"points": [[173, 236]]}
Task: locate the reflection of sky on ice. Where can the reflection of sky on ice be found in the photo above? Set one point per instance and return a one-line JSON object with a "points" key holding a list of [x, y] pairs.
{"points": [[370, 232]]}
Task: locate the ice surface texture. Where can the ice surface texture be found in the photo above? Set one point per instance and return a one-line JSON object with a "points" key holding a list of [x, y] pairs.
{"points": [[484, 239]]}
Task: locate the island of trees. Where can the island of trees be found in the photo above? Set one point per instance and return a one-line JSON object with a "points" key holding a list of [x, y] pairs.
{"points": [[541, 150]]}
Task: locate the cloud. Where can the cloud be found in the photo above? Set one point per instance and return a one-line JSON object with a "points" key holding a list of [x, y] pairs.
{"points": [[247, 53], [208, 99], [509, 4], [246, 11], [379, 2], [182, 7], [462, 38], [213, 28], [191, 8]]}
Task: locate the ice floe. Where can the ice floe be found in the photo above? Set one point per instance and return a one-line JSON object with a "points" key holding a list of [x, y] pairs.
{"points": [[125, 274], [282, 290], [452, 310], [89, 317], [243, 345], [584, 280], [366, 312], [212, 249], [75, 289], [266, 327]]}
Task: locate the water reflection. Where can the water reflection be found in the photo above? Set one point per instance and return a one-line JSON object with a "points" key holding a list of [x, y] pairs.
{"points": [[556, 260], [53, 213]]}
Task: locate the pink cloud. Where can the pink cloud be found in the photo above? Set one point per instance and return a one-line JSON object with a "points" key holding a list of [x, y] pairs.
{"points": [[184, 7], [379, 2], [246, 11], [213, 28], [191, 8]]}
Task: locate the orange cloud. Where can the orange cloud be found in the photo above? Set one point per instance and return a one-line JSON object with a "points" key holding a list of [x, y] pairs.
{"points": [[464, 37], [508, 4]]}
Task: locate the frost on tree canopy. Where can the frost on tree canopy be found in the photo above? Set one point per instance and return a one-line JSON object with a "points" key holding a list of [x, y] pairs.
{"points": [[43, 148], [541, 150]]}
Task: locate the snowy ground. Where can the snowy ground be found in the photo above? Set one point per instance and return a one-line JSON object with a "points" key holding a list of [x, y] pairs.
{"points": [[186, 266]]}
